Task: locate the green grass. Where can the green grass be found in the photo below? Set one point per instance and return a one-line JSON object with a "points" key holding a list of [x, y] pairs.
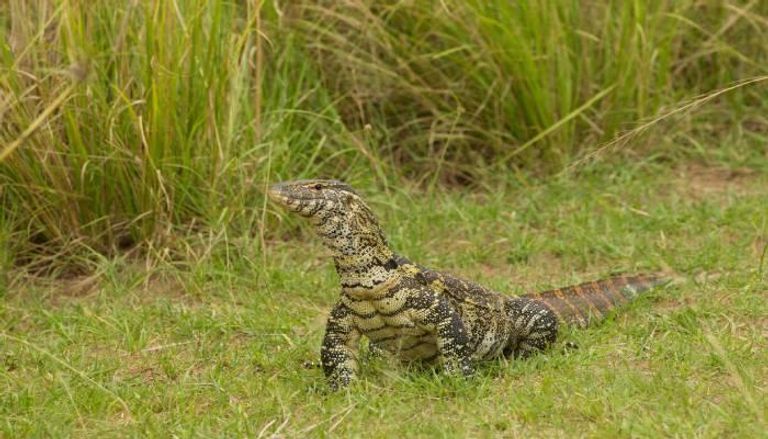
{"points": [[228, 347]]}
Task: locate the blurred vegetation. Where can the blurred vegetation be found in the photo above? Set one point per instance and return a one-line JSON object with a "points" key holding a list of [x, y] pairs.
{"points": [[153, 126]]}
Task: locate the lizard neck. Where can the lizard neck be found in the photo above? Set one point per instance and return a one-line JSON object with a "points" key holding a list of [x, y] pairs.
{"points": [[364, 261], [367, 273]]}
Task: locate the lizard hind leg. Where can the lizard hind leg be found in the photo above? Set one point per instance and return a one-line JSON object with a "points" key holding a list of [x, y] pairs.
{"points": [[534, 327]]}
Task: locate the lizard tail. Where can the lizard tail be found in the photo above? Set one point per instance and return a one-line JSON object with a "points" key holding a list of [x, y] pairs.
{"points": [[582, 304]]}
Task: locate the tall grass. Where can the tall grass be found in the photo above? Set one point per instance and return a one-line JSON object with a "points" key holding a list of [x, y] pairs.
{"points": [[150, 119], [528, 83], [126, 125]]}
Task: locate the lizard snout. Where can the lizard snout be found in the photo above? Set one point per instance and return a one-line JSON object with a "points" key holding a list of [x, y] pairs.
{"points": [[278, 193]]}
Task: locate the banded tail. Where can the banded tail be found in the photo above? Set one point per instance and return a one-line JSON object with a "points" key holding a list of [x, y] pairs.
{"points": [[588, 302]]}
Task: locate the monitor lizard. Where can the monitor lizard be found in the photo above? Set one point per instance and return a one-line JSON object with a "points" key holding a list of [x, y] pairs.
{"points": [[423, 315]]}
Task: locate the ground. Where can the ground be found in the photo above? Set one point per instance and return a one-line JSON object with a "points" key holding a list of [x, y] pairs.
{"points": [[230, 346]]}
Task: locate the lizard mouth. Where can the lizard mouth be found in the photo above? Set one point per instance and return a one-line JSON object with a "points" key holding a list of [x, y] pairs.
{"points": [[288, 196], [280, 195], [276, 192]]}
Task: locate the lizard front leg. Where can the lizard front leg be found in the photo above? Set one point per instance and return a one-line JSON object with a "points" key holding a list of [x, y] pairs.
{"points": [[438, 316], [340, 346]]}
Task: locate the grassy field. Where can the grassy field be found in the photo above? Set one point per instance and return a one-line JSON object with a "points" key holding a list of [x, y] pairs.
{"points": [[232, 348], [148, 288]]}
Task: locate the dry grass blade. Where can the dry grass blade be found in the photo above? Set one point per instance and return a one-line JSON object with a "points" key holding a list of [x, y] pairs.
{"points": [[39, 121], [691, 105], [736, 376], [66, 365], [554, 127]]}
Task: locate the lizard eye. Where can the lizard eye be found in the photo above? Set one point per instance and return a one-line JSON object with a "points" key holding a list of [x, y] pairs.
{"points": [[317, 187]]}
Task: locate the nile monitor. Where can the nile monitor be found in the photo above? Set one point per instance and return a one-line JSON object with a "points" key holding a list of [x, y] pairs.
{"points": [[425, 315]]}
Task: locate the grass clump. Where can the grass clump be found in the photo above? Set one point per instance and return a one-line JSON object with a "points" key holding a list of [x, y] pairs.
{"points": [[133, 123]]}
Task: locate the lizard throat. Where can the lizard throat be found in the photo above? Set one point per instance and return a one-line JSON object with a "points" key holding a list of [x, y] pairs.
{"points": [[366, 274]]}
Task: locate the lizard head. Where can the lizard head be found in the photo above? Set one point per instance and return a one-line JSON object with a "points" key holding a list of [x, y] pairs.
{"points": [[339, 214], [314, 198]]}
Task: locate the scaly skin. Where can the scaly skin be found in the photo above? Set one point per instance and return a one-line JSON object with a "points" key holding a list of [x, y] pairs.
{"points": [[423, 315]]}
